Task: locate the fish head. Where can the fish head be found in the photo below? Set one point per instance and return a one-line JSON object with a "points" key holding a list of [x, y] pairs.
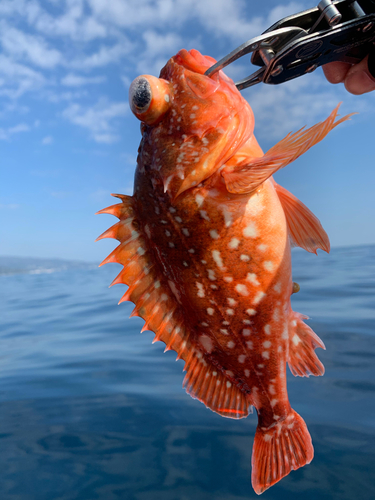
{"points": [[191, 123]]}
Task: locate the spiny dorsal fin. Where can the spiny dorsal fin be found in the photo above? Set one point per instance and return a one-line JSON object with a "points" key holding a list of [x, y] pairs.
{"points": [[156, 304], [249, 174]]}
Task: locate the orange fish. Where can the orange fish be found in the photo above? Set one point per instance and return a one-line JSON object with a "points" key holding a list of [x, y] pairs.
{"points": [[205, 246]]}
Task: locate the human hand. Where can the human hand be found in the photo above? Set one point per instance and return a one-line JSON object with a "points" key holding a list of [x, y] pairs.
{"points": [[358, 78]]}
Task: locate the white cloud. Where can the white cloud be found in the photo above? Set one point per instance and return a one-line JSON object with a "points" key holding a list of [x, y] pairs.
{"points": [[47, 140], [9, 206], [18, 78], [21, 127], [105, 55], [31, 48], [280, 109], [72, 80], [6, 133], [98, 119]]}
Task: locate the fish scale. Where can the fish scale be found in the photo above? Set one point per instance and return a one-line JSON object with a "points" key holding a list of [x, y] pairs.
{"points": [[205, 244]]}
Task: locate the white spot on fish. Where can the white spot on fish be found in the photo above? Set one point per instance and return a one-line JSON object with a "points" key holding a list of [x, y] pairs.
{"points": [[171, 245], [242, 289], [224, 331], [206, 342], [200, 289], [230, 312], [163, 221], [147, 231], [267, 344], [250, 231], [241, 358], [204, 215], [228, 279], [273, 402], [229, 373], [191, 250], [266, 355], [178, 219], [167, 233], [267, 329], [244, 258], [185, 231], [217, 258], [271, 389], [172, 210], [231, 301], [276, 315], [229, 384], [233, 244], [227, 217], [294, 323], [252, 278], [267, 437], [141, 251], [249, 344], [251, 312], [246, 332], [226, 323], [247, 373], [230, 344], [185, 263], [164, 297], [166, 97], [277, 288], [214, 234], [296, 340], [199, 199], [211, 275], [210, 311], [268, 265], [262, 247], [247, 322], [258, 297], [285, 334], [204, 323]]}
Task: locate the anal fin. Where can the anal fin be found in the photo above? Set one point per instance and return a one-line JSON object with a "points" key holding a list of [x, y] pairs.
{"points": [[303, 341], [210, 386]]}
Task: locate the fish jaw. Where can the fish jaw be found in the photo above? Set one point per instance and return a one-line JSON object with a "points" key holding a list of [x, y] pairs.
{"points": [[206, 122]]}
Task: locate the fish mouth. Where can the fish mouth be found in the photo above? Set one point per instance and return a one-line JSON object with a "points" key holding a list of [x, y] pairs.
{"points": [[216, 121]]}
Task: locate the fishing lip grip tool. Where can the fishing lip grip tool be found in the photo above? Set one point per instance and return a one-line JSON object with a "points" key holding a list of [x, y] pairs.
{"points": [[340, 30]]}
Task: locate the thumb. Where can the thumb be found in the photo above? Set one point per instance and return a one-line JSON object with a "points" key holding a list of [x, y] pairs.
{"points": [[360, 78]]}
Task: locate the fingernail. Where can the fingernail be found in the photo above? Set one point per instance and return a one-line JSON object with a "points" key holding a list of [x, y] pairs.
{"points": [[359, 82]]}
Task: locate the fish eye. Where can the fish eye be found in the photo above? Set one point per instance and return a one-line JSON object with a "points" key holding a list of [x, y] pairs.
{"points": [[149, 98], [140, 94]]}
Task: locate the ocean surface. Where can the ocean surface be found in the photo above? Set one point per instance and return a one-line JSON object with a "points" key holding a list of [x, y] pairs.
{"points": [[90, 409]]}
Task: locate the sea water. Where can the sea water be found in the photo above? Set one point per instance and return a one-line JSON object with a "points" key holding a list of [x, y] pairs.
{"points": [[90, 409]]}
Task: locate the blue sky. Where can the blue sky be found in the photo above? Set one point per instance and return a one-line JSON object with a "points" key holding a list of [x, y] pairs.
{"points": [[68, 138]]}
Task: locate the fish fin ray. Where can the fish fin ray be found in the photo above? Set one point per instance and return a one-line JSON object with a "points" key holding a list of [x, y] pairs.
{"points": [[303, 341], [279, 449], [248, 175], [212, 388], [154, 301], [305, 229]]}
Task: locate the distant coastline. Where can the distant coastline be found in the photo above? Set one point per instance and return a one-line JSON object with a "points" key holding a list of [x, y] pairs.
{"points": [[31, 265]]}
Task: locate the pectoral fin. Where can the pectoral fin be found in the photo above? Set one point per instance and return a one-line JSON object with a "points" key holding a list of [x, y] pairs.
{"points": [[249, 174], [304, 228]]}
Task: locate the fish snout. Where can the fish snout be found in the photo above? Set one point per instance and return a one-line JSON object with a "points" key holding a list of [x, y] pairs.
{"points": [[149, 98]]}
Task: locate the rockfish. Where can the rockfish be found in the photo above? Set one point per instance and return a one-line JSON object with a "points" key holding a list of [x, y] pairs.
{"points": [[205, 244]]}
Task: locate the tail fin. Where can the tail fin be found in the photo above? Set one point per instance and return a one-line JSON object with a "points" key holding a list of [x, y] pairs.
{"points": [[278, 449]]}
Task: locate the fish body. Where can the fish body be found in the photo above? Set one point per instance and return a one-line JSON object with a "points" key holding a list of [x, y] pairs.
{"points": [[205, 244]]}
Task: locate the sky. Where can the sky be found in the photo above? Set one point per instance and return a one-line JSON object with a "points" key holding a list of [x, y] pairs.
{"points": [[68, 138]]}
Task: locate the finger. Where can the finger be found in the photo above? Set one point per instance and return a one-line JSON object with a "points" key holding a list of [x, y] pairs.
{"points": [[359, 79], [335, 72]]}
